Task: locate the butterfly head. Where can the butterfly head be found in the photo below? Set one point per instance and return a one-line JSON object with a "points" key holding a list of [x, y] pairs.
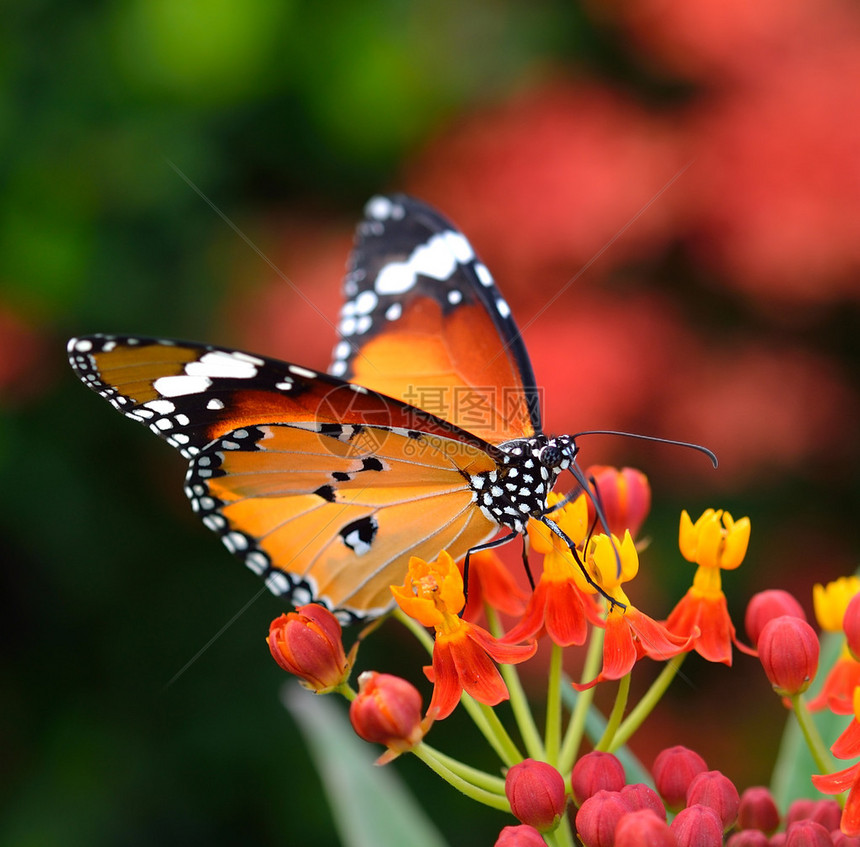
{"points": [[558, 453]]}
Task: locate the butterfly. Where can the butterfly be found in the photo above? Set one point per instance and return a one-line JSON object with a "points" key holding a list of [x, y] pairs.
{"points": [[425, 434]]}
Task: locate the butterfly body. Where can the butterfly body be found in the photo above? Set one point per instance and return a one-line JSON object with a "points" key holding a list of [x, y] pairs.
{"points": [[424, 436]]}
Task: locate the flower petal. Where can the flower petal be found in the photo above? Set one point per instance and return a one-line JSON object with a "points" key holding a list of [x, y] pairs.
{"points": [[478, 676], [446, 682]]}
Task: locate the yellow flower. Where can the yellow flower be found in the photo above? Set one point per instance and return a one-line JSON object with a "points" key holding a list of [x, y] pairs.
{"points": [[432, 592], [830, 601], [602, 558], [715, 540]]}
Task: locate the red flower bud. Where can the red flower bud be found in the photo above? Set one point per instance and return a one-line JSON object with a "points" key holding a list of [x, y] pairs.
{"points": [[624, 495], [807, 834], [767, 605], [387, 711], [643, 827], [535, 791], [641, 796], [673, 770], [748, 838], [828, 813], [520, 836], [799, 810], [308, 643], [711, 788], [596, 771], [788, 651], [697, 826], [598, 818], [758, 810], [851, 626]]}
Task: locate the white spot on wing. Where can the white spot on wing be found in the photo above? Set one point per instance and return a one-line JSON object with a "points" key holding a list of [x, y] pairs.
{"points": [[484, 276], [298, 371], [179, 386], [162, 407], [219, 363]]}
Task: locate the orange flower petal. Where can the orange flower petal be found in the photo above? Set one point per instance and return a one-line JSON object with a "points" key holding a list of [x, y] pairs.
{"points": [[838, 689]]}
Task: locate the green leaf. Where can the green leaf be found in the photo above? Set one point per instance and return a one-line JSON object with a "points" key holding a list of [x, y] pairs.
{"points": [[794, 764], [371, 806]]}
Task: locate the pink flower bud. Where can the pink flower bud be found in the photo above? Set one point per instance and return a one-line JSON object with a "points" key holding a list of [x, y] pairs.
{"points": [[711, 788], [788, 651], [758, 810], [767, 605], [828, 813], [748, 838], [520, 836], [535, 791], [641, 796], [807, 834], [851, 626], [643, 827], [799, 810], [697, 826], [308, 643], [387, 711], [840, 839], [596, 771], [624, 495], [598, 818], [673, 770]]}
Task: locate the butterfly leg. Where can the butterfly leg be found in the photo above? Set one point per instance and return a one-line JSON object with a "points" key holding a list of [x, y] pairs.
{"points": [[554, 527], [526, 565], [489, 545]]}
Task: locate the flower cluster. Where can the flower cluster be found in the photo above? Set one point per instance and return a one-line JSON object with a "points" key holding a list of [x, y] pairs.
{"points": [[580, 602]]}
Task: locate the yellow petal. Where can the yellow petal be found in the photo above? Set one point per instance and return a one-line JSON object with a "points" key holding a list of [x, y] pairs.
{"points": [[737, 541]]}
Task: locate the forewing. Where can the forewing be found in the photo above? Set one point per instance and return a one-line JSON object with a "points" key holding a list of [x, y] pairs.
{"points": [[189, 394], [424, 322]]}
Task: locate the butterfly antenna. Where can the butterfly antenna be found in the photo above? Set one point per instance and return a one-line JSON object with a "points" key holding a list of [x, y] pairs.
{"points": [[656, 439]]}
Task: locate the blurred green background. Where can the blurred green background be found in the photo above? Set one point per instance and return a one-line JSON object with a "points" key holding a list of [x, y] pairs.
{"points": [[668, 195]]}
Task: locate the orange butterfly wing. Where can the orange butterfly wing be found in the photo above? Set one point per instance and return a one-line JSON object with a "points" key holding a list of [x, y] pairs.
{"points": [[424, 322], [323, 488]]}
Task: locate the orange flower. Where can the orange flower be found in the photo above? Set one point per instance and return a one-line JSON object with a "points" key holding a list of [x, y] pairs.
{"points": [[563, 600], [714, 542], [464, 653], [630, 634], [831, 604], [846, 747]]}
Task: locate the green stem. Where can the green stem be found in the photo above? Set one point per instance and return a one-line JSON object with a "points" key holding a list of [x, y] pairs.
{"points": [[347, 691], [479, 718], [576, 726], [479, 778], [509, 754], [518, 699], [563, 834], [616, 714], [481, 795], [647, 703], [553, 707], [811, 735]]}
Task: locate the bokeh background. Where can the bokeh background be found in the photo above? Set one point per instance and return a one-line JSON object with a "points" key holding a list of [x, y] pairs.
{"points": [[667, 193]]}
